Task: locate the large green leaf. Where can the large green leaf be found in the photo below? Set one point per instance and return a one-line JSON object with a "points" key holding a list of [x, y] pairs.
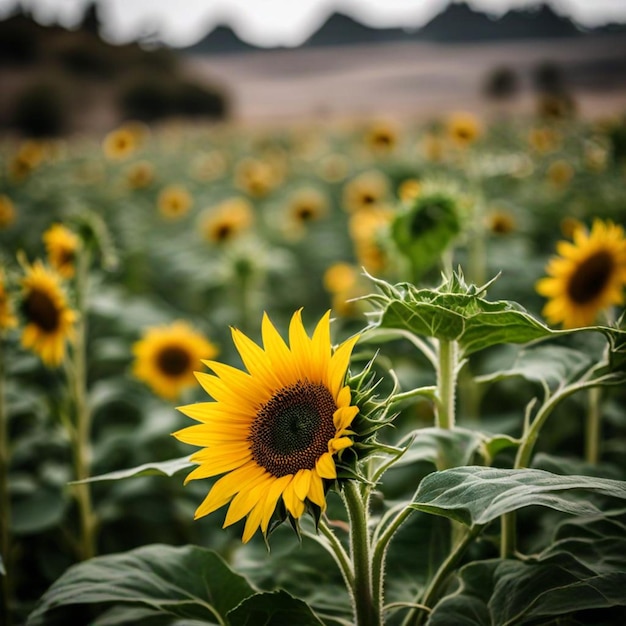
{"points": [[456, 311], [273, 609], [187, 582], [581, 571], [477, 495], [547, 364], [160, 468]]}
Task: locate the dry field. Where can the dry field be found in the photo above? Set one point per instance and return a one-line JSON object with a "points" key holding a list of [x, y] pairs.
{"points": [[412, 79]]}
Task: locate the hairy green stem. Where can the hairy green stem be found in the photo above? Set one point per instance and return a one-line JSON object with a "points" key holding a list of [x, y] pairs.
{"points": [[446, 384], [525, 451], [592, 426], [338, 552], [5, 500], [82, 430], [367, 613]]}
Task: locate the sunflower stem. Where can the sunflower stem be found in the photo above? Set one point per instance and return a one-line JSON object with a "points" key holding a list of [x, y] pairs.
{"points": [[592, 426], [446, 384], [367, 612], [81, 440], [5, 500], [337, 551]]}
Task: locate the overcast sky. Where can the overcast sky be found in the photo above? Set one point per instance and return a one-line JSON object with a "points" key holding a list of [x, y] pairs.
{"points": [[279, 22]]}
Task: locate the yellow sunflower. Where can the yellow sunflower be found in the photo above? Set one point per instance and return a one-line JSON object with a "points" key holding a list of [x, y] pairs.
{"points": [[587, 277], [7, 212], [120, 143], [49, 320], [365, 191], [174, 202], [167, 356], [272, 431], [226, 220], [61, 245], [463, 129], [139, 175], [7, 318], [382, 137]]}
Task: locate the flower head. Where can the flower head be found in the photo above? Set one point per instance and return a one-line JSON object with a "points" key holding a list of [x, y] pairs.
{"points": [[7, 212], [167, 356], [120, 143], [224, 221], [174, 202], [49, 320], [7, 318], [587, 277], [463, 129], [61, 245], [274, 430]]}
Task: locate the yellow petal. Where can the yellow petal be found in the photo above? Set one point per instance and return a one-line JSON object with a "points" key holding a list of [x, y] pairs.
{"points": [[325, 466], [300, 345], [316, 491], [339, 364], [301, 483], [273, 493]]}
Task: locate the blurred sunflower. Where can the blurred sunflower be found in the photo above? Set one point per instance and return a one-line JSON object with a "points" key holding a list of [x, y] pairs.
{"points": [[272, 431], [463, 129], [174, 202], [500, 222], [7, 317], [61, 245], [305, 205], [254, 176], [166, 358], [7, 212], [544, 139], [210, 166], [139, 175], [341, 280], [28, 157], [381, 138], [49, 321], [226, 220], [433, 147], [587, 277], [333, 168], [560, 173], [367, 229], [119, 144], [365, 191], [409, 189]]}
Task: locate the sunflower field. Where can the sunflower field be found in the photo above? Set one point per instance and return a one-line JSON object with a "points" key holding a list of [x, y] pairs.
{"points": [[367, 372]]}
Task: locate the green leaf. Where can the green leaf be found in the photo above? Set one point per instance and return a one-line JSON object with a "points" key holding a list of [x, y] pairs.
{"points": [[478, 495], [441, 447], [187, 582], [273, 609], [456, 311], [162, 468], [586, 569], [546, 364], [37, 510]]}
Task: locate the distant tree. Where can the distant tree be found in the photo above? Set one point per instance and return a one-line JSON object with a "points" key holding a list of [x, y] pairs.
{"points": [[91, 18], [501, 83], [548, 78]]}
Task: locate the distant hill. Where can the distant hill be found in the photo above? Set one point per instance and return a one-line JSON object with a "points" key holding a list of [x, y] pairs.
{"points": [[222, 39], [340, 29], [455, 23]]}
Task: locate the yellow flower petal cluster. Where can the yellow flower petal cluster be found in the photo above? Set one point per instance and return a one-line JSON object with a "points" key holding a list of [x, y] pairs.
{"points": [[61, 245], [49, 322], [588, 275], [167, 356], [274, 430]]}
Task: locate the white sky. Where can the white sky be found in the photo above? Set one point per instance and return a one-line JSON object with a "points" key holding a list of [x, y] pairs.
{"points": [[279, 22]]}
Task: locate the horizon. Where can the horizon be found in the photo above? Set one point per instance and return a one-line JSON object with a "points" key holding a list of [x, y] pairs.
{"points": [[282, 25]]}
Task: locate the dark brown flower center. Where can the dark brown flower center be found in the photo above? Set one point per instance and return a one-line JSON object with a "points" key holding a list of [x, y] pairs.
{"points": [[66, 256], [305, 213], [39, 309], [590, 277], [368, 198], [223, 232], [174, 360], [293, 429]]}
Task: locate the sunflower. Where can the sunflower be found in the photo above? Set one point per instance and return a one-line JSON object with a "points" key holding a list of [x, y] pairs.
{"points": [[382, 138], [174, 202], [500, 222], [49, 320], [463, 129], [256, 177], [7, 318], [61, 245], [226, 220], [120, 143], [560, 173], [139, 175], [587, 277], [7, 212], [409, 189], [167, 356], [365, 191], [272, 431]]}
